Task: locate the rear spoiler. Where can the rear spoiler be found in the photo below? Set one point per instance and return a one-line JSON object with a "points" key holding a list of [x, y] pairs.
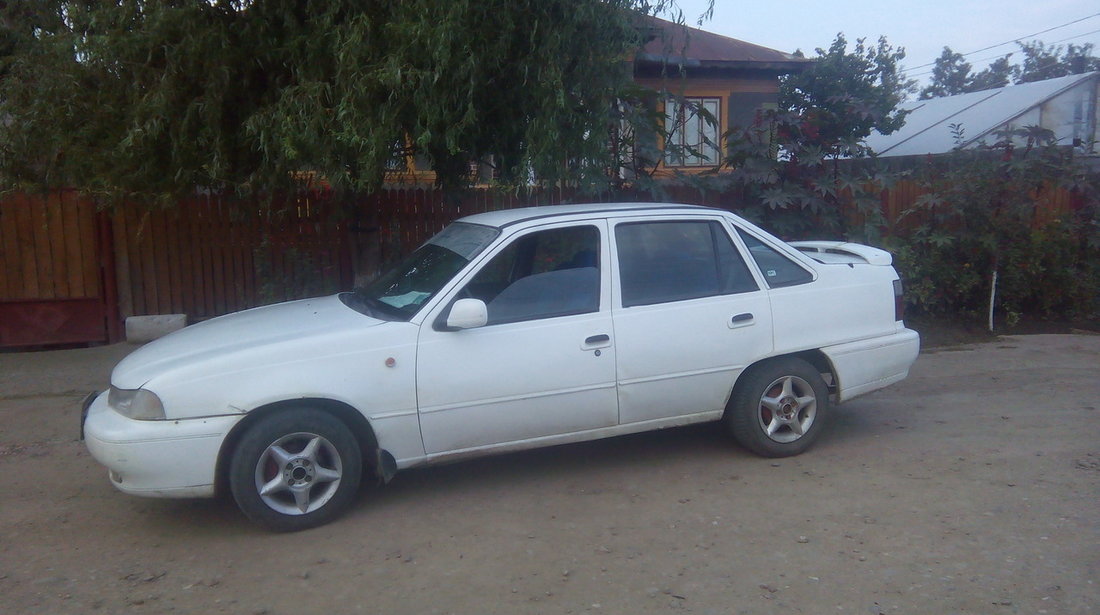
{"points": [[840, 252]]}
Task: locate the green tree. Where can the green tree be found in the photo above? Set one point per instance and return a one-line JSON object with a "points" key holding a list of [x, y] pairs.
{"points": [[786, 168], [1040, 62], [1080, 59], [784, 178], [950, 76], [1048, 62], [154, 99], [998, 74], [847, 94]]}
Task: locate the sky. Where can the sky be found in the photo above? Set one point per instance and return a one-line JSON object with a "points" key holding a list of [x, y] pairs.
{"points": [[922, 27]]}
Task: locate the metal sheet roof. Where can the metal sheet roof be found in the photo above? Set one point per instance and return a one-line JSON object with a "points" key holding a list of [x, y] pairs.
{"points": [[927, 126], [675, 44]]}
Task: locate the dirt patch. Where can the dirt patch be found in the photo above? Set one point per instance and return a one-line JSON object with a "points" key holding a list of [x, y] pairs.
{"points": [[969, 488], [938, 332]]}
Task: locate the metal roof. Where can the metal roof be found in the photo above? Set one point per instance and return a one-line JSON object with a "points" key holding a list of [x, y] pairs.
{"points": [[927, 125], [673, 43]]}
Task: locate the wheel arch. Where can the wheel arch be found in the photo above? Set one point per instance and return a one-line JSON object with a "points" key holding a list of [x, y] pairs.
{"points": [[824, 366], [352, 418], [819, 360]]}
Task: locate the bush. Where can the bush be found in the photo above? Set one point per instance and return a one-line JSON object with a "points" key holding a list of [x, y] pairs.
{"points": [[982, 229], [979, 225]]}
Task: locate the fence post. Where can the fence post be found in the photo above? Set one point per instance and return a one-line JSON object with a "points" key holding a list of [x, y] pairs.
{"points": [[109, 276]]}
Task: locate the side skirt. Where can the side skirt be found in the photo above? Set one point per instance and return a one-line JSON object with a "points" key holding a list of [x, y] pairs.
{"points": [[581, 436]]}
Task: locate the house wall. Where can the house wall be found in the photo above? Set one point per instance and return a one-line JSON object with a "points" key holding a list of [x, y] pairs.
{"points": [[741, 98], [759, 91]]}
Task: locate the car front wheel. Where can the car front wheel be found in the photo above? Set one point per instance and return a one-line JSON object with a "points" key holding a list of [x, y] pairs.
{"points": [[295, 470], [778, 407]]}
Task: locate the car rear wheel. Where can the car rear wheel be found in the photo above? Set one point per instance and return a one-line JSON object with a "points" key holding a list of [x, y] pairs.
{"points": [[778, 407], [295, 470]]}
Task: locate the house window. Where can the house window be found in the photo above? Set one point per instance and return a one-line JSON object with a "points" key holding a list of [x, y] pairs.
{"points": [[692, 127]]}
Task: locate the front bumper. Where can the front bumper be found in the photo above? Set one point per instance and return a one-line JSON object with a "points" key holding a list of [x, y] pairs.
{"points": [[167, 459]]}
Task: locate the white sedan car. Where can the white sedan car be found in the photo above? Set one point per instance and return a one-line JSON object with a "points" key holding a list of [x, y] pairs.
{"points": [[508, 330]]}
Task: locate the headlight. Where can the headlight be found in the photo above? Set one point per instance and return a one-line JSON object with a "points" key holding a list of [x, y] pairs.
{"points": [[136, 404]]}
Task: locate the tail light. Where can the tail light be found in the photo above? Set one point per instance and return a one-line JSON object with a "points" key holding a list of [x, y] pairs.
{"points": [[899, 301]]}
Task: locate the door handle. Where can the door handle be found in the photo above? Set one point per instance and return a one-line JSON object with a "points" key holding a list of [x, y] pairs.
{"points": [[742, 320], [595, 342]]}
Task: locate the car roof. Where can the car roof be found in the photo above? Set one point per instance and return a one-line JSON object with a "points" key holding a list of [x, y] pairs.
{"points": [[507, 217]]}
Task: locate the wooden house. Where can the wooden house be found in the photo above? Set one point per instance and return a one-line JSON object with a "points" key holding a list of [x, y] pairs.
{"points": [[731, 80]]}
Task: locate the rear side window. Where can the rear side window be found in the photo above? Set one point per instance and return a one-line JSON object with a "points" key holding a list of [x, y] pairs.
{"points": [[778, 270], [674, 261]]}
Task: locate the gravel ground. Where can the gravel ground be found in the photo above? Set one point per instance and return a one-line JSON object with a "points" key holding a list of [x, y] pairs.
{"points": [[972, 487]]}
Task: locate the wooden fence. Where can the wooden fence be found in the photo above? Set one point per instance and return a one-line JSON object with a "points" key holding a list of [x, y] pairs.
{"points": [[64, 264], [212, 255], [54, 271], [209, 256], [49, 247]]}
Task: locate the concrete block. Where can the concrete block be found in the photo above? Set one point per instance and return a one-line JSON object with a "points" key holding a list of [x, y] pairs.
{"points": [[141, 329]]}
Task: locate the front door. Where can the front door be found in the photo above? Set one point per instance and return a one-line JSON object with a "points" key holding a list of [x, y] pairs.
{"points": [[543, 365]]}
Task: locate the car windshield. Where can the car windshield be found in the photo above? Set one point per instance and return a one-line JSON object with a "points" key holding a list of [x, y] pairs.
{"points": [[399, 293]]}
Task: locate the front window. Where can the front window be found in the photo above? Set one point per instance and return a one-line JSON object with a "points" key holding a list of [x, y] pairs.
{"points": [[545, 274], [401, 291], [692, 127]]}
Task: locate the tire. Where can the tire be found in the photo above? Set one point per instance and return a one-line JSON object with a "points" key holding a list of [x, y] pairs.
{"points": [[778, 407], [309, 462]]}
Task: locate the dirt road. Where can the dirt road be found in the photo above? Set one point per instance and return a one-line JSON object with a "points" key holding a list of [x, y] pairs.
{"points": [[973, 487]]}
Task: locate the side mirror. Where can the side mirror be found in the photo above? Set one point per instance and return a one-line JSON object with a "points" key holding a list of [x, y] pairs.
{"points": [[467, 314]]}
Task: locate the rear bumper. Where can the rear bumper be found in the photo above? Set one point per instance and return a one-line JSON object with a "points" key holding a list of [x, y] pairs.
{"points": [[168, 459], [872, 364]]}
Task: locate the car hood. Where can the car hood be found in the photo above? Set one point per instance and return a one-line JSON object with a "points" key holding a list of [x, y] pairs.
{"points": [[292, 324]]}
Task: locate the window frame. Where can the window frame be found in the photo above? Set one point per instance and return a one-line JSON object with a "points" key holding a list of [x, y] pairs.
{"points": [[742, 232], [715, 226], [677, 129], [488, 258]]}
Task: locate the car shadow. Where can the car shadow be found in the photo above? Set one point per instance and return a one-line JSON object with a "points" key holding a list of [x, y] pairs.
{"points": [[674, 447], [694, 445], [214, 517], [680, 449], [688, 448]]}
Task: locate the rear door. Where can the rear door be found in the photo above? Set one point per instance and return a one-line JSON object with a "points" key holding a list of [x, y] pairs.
{"points": [[690, 315]]}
